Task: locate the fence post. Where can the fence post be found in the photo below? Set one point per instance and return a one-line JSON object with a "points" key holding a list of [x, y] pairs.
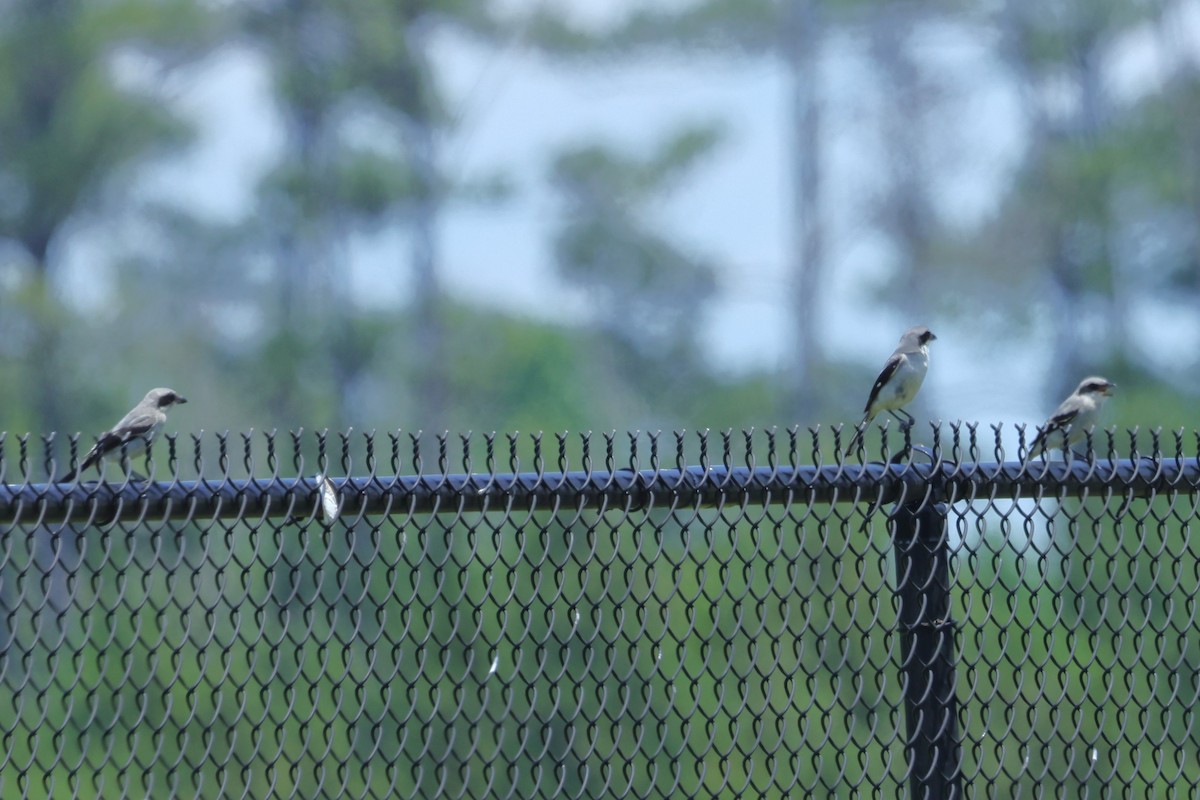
{"points": [[927, 655]]}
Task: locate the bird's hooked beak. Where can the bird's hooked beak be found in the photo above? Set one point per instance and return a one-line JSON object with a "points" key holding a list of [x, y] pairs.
{"points": [[1108, 387], [180, 399]]}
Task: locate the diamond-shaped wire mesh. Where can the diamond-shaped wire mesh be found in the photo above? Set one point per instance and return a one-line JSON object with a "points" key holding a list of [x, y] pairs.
{"points": [[726, 615]]}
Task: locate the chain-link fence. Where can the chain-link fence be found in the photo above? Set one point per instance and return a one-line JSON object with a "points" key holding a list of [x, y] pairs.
{"points": [[733, 615]]}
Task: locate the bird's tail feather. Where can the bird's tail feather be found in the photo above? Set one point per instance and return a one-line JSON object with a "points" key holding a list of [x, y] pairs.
{"points": [[1039, 445], [88, 461], [859, 433]]}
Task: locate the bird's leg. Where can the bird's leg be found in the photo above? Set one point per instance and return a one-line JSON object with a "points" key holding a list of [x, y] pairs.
{"points": [[131, 474], [903, 453], [905, 419]]}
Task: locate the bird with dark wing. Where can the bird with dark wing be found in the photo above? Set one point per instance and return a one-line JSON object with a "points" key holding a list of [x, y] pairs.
{"points": [[133, 433], [898, 381], [1074, 417]]}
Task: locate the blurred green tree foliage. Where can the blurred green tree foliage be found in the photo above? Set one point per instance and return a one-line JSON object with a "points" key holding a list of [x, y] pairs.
{"points": [[71, 126], [646, 295], [364, 115]]}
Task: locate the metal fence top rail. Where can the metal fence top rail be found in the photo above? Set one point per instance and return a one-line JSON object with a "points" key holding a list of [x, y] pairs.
{"points": [[690, 487]]}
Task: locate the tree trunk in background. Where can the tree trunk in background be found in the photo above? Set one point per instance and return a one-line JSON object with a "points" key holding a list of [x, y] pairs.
{"points": [[429, 338], [420, 137], [1069, 248], [1095, 131], [1060, 269], [907, 213], [1065, 301], [1173, 42], [1075, 243], [306, 41], [801, 50], [1190, 159], [296, 279], [47, 389]]}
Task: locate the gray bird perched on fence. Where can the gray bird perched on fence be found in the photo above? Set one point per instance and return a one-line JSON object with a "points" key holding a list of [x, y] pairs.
{"points": [[1076, 416], [898, 381], [133, 433]]}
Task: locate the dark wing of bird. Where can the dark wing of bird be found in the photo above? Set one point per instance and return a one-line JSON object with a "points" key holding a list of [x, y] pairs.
{"points": [[129, 429], [1058, 422], [885, 375]]}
